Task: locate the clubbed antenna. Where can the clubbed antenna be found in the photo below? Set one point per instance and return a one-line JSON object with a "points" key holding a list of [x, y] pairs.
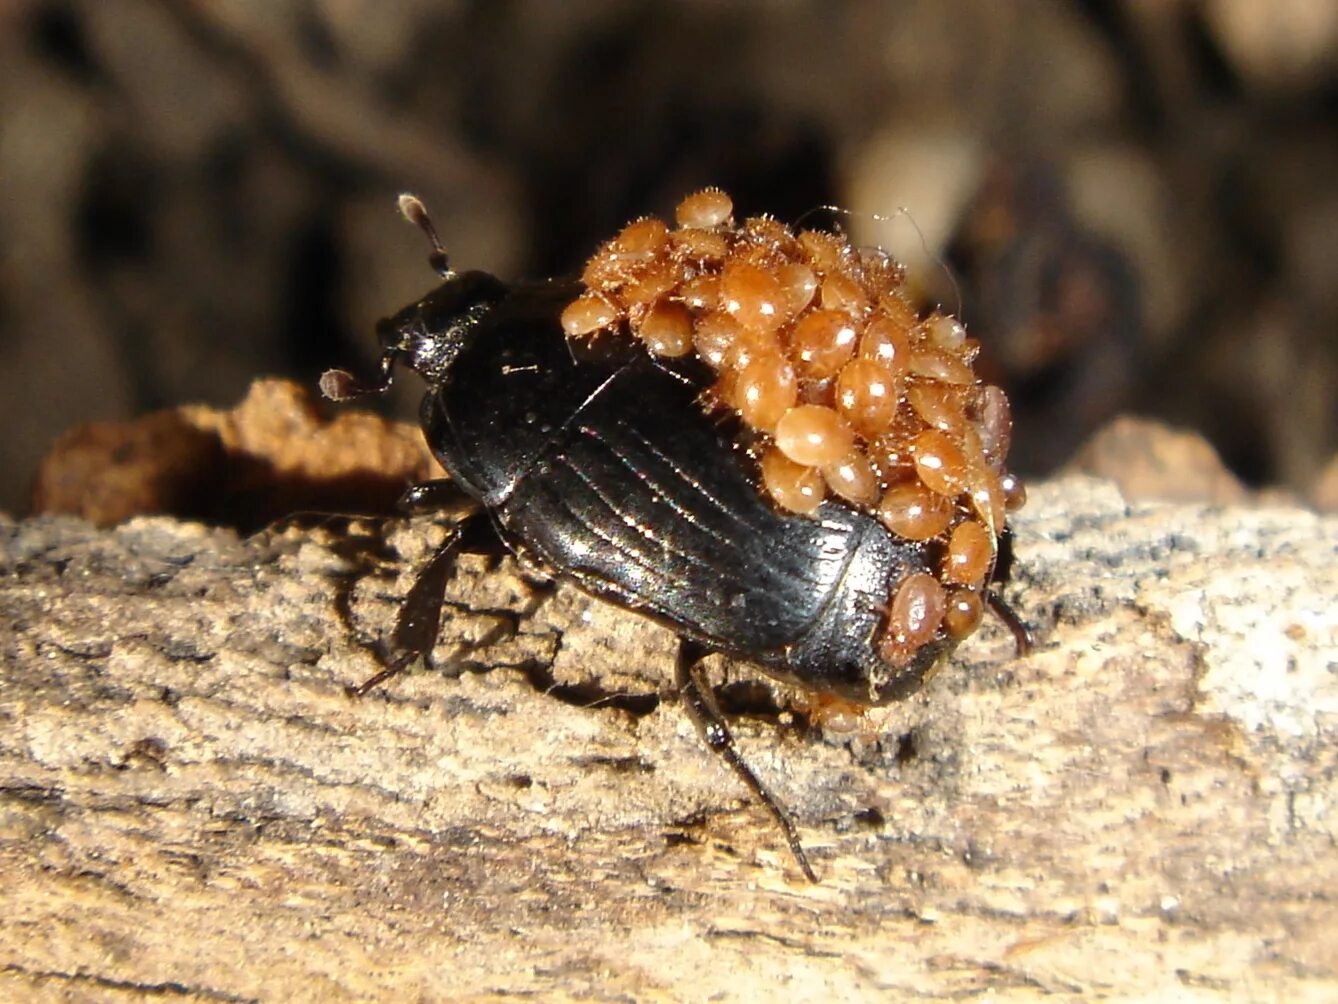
{"points": [[413, 210], [341, 385]]}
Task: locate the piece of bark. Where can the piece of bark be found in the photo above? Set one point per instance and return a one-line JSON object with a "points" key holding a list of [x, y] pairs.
{"points": [[275, 453], [190, 806]]}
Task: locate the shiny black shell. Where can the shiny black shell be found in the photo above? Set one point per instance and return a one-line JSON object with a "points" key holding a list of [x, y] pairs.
{"points": [[601, 462]]}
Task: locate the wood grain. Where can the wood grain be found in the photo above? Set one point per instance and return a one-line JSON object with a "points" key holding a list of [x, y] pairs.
{"points": [[191, 807]]}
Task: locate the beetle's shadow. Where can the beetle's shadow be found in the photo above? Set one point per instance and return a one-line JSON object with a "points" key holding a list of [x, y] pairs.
{"points": [[589, 693], [359, 540], [363, 543]]}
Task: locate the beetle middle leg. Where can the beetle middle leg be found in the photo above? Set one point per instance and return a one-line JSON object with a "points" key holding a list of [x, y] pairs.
{"points": [[695, 691]]}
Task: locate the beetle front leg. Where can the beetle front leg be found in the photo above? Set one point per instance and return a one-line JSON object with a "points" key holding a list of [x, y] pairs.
{"points": [[419, 618], [440, 495], [695, 691]]}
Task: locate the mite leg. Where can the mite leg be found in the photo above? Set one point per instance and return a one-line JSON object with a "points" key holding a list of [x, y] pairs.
{"points": [[695, 692], [420, 614]]}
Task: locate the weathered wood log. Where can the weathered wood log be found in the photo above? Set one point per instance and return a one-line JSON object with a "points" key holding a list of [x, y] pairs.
{"points": [[190, 805]]}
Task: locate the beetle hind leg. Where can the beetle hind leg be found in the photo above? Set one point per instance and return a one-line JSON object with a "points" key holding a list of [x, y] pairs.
{"points": [[1012, 620], [695, 692], [1000, 575]]}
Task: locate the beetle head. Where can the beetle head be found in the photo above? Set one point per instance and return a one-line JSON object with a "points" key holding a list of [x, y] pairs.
{"points": [[427, 335]]}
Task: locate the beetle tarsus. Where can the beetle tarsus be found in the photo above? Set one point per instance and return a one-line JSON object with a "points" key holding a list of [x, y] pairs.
{"points": [[376, 679], [695, 692]]}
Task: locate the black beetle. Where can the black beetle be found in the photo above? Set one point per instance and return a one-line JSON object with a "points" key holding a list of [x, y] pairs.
{"points": [[596, 461]]}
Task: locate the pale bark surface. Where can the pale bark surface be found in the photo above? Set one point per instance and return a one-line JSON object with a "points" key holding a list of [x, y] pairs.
{"points": [[191, 807]]}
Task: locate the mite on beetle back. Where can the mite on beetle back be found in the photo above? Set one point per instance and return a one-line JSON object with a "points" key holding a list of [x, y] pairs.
{"points": [[844, 389], [745, 433]]}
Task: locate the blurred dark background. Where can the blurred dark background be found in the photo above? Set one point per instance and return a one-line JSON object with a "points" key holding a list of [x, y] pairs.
{"points": [[1135, 205]]}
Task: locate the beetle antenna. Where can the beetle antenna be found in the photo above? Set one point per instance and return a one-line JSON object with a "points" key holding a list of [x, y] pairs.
{"points": [[341, 385], [413, 210]]}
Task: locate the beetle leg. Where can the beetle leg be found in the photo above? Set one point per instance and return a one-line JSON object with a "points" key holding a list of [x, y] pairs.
{"points": [[1000, 574], [419, 618], [1014, 623], [695, 692], [440, 495]]}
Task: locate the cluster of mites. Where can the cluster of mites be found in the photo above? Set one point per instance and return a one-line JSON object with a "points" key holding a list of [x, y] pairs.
{"points": [[848, 390]]}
